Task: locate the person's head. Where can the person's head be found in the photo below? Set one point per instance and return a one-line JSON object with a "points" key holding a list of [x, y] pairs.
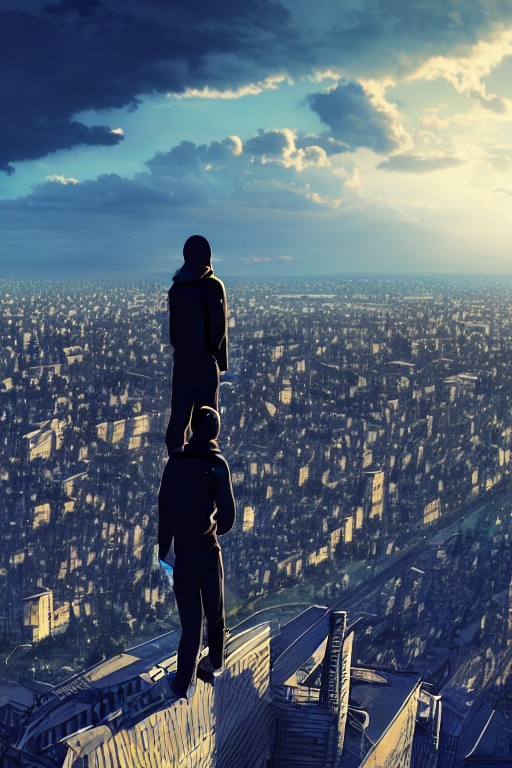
{"points": [[205, 425], [197, 251]]}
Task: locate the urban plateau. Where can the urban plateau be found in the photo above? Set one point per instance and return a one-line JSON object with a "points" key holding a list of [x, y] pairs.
{"points": [[367, 422]]}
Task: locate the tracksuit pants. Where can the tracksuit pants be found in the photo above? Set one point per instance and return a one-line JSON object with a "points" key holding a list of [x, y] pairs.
{"points": [[193, 384], [198, 588]]}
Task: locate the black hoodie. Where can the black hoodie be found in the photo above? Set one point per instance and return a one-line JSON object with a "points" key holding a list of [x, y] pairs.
{"points": [[198, 317], [195, 501]]}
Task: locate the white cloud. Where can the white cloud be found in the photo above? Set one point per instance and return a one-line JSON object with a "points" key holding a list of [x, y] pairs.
{"points": [[119, 131], [326, 201], [61, 179], [355, 181], [476, 115], [238, 148], [465, 73], [376, 92], [297, 158], [250, 89], [328, 74]]}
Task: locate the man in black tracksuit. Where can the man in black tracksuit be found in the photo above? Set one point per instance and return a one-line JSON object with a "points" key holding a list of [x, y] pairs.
{"points": [[195, 503], [198, 332]]}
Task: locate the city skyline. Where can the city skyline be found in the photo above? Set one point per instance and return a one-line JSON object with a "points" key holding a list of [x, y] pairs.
{"points": [[357, 414], [368, 428]]}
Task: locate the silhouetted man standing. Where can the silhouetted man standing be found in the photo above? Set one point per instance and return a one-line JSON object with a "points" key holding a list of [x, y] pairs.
{"points": [[198, 335], [195, 503]]}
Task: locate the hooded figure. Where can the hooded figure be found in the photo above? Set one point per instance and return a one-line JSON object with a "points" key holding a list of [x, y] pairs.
{"points": [[198, 331], [195, 505]]}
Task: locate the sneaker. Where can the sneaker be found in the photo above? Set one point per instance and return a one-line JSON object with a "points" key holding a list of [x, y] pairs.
{"points": [[171, 677], [206, 666], [179, 692]]}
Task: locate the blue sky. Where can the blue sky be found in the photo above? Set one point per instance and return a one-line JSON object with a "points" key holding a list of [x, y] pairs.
{"points": [[299, 137]]}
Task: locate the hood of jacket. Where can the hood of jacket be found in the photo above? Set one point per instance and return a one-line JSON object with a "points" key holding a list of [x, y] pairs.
{"points": [[189, 273]]}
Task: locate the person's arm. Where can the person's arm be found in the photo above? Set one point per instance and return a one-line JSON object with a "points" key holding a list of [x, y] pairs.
{"points": [[170, 321], [224, 499], [218, 314], [165, 516]]}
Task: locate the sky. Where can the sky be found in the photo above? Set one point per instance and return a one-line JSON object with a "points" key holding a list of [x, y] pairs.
{"points": [[299, 137]]}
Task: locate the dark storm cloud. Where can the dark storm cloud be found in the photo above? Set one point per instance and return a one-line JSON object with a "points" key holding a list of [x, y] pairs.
{"points": [[352, 119], [75, 55], [426, 28], [85, 54], [37, 138], [414, 164]]}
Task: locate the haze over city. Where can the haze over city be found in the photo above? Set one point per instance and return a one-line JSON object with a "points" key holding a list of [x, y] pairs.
{"points": [[368, 427], [358, 414]]}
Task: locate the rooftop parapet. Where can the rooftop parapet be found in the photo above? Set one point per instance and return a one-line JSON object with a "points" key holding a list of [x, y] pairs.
{"points": [[289, 697]]}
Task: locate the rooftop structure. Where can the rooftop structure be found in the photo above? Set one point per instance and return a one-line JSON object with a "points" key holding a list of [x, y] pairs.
{"points": [[290, 696]]}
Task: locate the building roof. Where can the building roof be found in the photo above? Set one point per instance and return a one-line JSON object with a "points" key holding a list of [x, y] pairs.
{"points": [[296, 627], [36, 595], [382, 700], [125, 666], [289, 650]]}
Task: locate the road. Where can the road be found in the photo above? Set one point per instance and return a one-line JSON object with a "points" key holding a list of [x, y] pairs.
{"points": [[409, 558]]}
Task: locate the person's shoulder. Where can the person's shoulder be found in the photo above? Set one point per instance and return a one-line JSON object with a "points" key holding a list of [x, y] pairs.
{"points": [[219, 462], [213, 283]]}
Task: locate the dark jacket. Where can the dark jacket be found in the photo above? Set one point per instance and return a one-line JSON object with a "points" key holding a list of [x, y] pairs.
{"points": [[198, 319], [195, 502]]}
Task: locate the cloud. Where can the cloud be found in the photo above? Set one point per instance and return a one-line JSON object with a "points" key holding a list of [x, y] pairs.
{"points": [[291, 149], [261, 259], [500, 158], [330, 145], [249, 89], [61, 179], [466, 73], [415, 164], [29, 139], [137, 241], [202, 176], [109, 194], [238, 148], [503, 190], [270, 144], [282, 147], [188, 157], [400, 33], [353, 119], [76, 55], [71, 56]]}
